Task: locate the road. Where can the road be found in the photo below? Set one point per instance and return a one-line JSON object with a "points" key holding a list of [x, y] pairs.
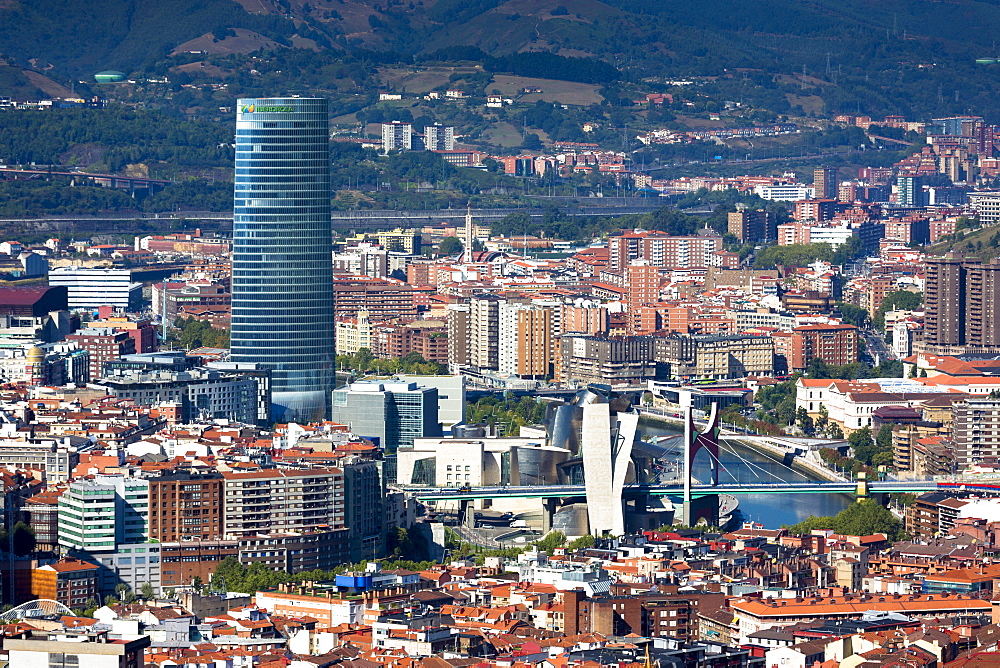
{"points": [[877, 346]]}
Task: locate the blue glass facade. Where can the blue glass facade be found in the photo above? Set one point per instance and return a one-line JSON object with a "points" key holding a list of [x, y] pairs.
{"points": [[282, 309]]}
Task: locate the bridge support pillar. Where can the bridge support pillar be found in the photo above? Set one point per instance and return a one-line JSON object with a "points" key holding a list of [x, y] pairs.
{"points": [[467, 514], [548, 514], [703, 508]]}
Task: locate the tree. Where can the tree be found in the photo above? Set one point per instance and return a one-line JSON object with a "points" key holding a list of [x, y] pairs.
{"points": [[863, 518], [884, 438], [450, 246], [21, 540], [550, 542], [899, 300], [146, 591], [531, 142], [867, 517], [863, 444], [805, 422], [582, 542], [853, 315], [197, 583]]}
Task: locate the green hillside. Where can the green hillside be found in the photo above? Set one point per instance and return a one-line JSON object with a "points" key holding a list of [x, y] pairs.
{"points": [[849, 56]]}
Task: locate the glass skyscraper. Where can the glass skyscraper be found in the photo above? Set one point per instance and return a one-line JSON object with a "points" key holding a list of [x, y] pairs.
{"points": [[282, 287]]}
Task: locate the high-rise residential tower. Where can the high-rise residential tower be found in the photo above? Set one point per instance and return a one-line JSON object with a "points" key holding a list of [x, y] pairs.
{"points": [[825, 183], [282, 287]]}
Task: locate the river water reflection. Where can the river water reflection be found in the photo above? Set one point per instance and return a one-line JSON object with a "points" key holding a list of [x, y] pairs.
{"points": [[739, 464]]}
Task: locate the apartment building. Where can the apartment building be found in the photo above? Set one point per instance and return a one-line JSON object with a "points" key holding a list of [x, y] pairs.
{"points": [[760, 614], [716, 357], [960, 298], [282, 501], [834, 344], [660, 249], [458, 335], [526, 335], [752, 225], [825, 183], [613, 360], [484, 331], [185, 506], [103, 345], [397, 136], [976, 430], [383, 299]]}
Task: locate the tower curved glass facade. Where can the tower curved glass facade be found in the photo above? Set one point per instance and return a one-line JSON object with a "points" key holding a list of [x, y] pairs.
{"points": [[282, 287]]}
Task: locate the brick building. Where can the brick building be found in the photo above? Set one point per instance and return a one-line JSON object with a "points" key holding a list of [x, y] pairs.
{"points": [[834, 344], [185, 506], [70, 581], [103, 345]]}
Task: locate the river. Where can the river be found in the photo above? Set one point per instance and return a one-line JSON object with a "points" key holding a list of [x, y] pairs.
{"points": [[740, 464]]}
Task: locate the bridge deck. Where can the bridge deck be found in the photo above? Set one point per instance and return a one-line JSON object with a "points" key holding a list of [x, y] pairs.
{"points": [[555, 491]]}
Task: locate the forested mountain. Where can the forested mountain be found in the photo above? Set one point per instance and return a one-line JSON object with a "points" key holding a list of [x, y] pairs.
{"points": [[868, 56]]}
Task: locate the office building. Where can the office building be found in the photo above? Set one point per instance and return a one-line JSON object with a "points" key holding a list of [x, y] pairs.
{"points": [[282, 501], [785, 193], [397, 136], [282, 298], [451, 395], [96, 515], [825, 183], [987, 205], [90, 287], [106, 520], [391, 413], [439, 137]]}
